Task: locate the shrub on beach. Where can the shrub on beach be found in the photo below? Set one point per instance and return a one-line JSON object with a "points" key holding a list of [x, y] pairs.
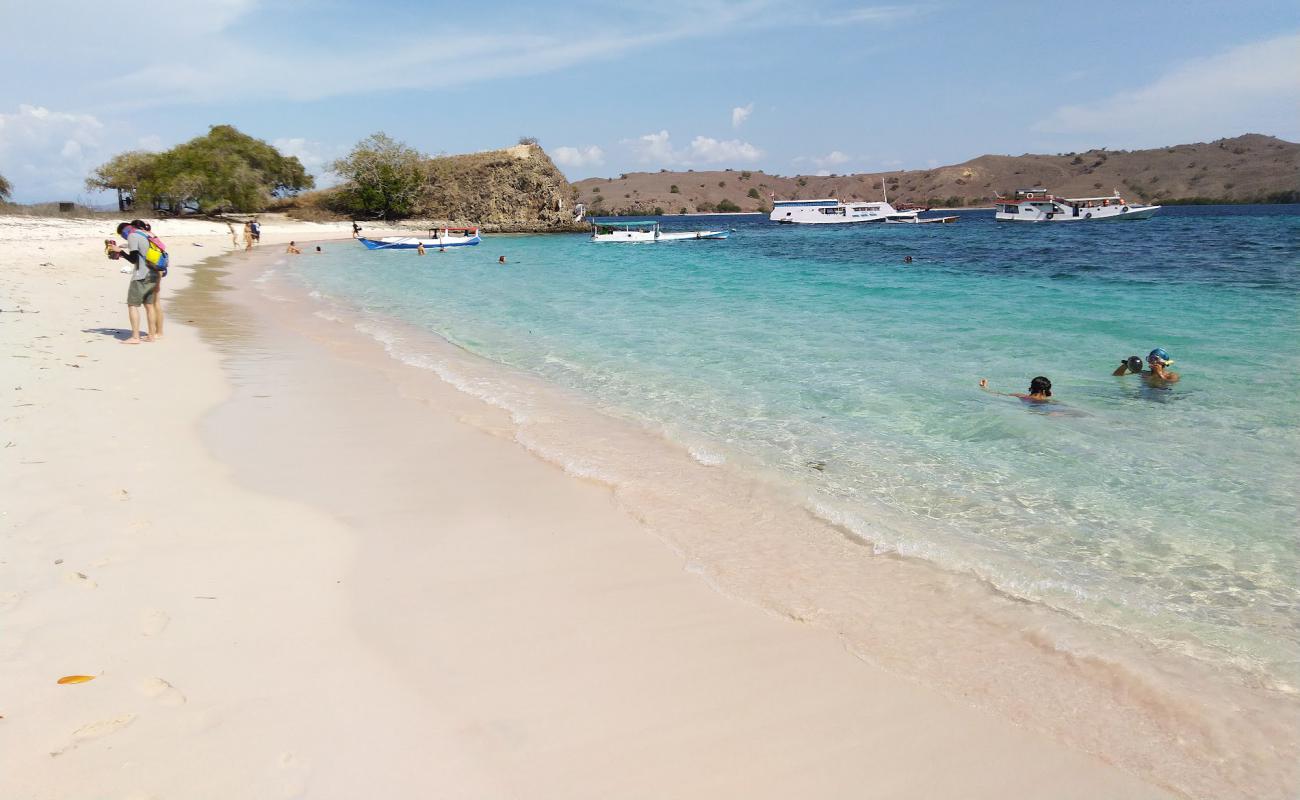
{"points": [[384, 178], [727, 207], [6, 189]]}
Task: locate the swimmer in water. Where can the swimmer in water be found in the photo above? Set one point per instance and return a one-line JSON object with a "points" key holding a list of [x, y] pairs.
{"points": [[1040, 390], [1158, 375]]}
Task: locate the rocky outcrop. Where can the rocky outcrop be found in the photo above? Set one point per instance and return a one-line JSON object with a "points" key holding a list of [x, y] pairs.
{"points": [[518, 189]]}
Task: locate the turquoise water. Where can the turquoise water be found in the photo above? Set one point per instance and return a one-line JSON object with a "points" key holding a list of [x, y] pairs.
{"points": [[819, 354]]}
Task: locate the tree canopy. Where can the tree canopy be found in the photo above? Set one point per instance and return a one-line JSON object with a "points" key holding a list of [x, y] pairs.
{"points": [[6, 190], [224, 170], [384, 177]]}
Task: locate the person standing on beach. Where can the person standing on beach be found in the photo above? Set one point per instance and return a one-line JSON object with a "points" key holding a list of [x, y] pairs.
{"points": [[256, 228], [157, 332], [248, 236], [143, 286], [356, 229]]}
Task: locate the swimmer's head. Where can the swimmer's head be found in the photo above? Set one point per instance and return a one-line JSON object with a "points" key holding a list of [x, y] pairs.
{"points": [[1134, 364], [1040, 385], [1160, 357]]}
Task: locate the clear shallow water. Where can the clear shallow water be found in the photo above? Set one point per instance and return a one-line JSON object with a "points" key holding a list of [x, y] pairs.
{"points": [[819, 354]]}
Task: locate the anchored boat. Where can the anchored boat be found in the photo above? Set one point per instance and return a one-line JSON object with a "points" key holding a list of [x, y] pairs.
{"points": [[1037, 205], [646, 230], [829, 211], [438, 238]]}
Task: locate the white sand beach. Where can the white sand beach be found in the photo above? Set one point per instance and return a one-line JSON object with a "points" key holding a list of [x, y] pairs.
{"points": [[307, 575]]}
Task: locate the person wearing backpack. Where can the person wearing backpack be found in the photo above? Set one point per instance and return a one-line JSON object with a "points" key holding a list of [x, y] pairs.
{"points": [[150, 259], [157, 295]]}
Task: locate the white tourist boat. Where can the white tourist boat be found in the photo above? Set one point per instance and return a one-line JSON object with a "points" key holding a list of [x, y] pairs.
{"points": [[438, 239], [829, 211], [645, 230], [1037, 205]]}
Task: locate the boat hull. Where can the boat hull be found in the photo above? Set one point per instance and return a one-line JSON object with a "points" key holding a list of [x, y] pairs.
{"points": [[1028, 213], [411, 242], [651, 237]]}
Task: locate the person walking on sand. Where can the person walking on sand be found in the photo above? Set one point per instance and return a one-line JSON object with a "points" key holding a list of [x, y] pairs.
{"points": [[143, 286], [356, 229], [256, 228], [234, 240], [248, 236], [1040, 390]]}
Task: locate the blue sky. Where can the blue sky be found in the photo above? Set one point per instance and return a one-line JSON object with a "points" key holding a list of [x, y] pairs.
{"points": [[788, 87]]}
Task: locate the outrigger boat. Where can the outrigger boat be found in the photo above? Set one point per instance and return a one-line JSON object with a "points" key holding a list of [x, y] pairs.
{"points": [[439, 238], [645, 230], [1036, 205]]}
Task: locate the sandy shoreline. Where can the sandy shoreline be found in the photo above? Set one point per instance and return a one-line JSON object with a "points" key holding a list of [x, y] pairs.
{"points": [[296, 571]]}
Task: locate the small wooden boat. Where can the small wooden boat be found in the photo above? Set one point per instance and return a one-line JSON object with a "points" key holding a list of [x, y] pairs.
{"points": [[646, 231], [439, 238], [923, 220]]}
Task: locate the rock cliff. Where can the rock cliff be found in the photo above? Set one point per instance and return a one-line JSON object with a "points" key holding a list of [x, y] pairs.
{"points": [[517, 189]]}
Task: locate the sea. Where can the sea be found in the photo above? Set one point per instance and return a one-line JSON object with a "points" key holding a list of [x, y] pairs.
{"points": [[801, 397]]}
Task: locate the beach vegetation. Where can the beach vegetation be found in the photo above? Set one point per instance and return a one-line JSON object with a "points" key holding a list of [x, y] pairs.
{"points": [[659, 211], [528, 140], [802, 181], [746, 175], [6, 190], [681, 210], [752, 193], [674, 190], [727, 207], [721, 184], [705, 207], [223, 170], [123, 173], [384, 178]]}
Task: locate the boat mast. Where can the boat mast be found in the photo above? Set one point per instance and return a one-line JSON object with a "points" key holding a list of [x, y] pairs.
{"points": [[883, 191]]}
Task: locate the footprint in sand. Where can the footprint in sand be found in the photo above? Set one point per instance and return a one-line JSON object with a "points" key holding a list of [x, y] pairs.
{"points": [[161, 691], [10, 600], [153, 622], [297, 770], [95, 730], [80, 579]]}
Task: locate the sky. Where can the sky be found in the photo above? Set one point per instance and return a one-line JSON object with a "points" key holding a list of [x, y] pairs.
{"points": [[786, 86]]}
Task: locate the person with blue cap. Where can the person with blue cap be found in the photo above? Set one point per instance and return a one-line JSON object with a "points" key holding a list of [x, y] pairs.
{"points": [[1159, 362]]}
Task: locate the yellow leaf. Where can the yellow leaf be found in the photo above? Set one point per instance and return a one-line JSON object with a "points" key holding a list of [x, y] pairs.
{"points": [[76, 678]]}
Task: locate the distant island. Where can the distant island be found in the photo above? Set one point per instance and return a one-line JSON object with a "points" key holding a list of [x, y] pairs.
{"points": [[1252, 168]]}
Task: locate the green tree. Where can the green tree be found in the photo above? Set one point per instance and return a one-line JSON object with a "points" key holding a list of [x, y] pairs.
{"points": [[727, 207], [6, 190], [752, 193], [223, 170], [384, 177], [674, 190], [705, 207], [124, 173]]}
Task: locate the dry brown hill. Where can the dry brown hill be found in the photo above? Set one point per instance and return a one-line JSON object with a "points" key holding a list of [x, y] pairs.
{"points": [[1249, 168]]}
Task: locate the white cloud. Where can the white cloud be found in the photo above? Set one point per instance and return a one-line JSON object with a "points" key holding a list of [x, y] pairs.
{"points": [[46, 154], [589, 156], [740, 114], [315, 157], [657, 148], [823, 163], [1250, 88]]}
